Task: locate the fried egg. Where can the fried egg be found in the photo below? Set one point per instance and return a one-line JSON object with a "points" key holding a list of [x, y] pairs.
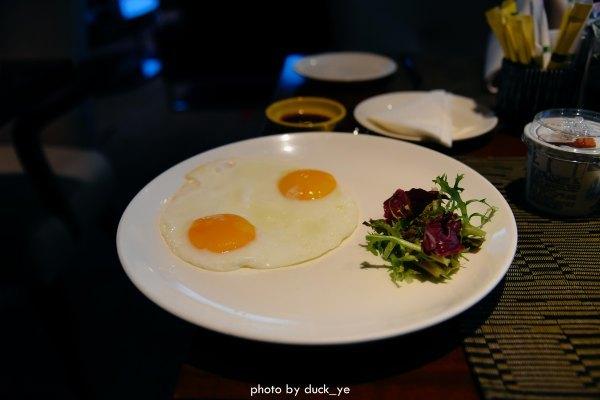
{"points": [[256, 213]]}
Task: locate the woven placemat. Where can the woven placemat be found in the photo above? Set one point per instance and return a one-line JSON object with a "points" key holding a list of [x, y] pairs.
{"points": [[537, 335]]}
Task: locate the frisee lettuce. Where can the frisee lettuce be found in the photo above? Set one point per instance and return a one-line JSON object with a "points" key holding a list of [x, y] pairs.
{"points": [[400, 242]]}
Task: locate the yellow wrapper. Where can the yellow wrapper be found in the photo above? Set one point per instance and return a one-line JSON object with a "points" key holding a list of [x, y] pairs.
{"points": [[571, 25], [525, 23], [509, 7], [494, 20], [515, 35]]}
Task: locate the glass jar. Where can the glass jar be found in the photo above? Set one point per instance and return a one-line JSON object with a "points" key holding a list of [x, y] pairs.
{"points": [[563, 161]]}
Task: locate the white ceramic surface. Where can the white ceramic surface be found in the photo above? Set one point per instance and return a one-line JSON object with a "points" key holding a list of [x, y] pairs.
{"points": [[330, 299], [345, 66], [469, 122]]}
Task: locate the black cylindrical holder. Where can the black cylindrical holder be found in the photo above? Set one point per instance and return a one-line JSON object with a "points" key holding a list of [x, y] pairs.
{"points": [[524, 90]]}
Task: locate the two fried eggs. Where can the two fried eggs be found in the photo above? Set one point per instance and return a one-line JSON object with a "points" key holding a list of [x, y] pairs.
{"points": [[257, 214]]}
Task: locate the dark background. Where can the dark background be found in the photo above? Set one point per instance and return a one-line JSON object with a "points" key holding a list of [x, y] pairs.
{"points": [[115, 92]]}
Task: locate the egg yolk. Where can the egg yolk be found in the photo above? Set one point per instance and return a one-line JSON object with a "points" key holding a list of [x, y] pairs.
{"points": [[307, 184], [221, 233]]}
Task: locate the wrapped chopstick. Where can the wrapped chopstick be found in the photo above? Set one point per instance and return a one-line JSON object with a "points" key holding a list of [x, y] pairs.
{"points": [[524, 35]]}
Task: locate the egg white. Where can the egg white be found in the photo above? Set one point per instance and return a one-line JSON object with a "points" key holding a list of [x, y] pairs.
{"points": [[288, 231]]}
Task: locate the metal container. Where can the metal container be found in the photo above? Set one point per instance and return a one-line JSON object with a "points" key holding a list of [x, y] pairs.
{"points": [[563, 178]]}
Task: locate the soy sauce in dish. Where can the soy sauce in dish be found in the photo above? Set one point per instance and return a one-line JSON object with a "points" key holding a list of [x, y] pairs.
{"points": [[305, 118]]}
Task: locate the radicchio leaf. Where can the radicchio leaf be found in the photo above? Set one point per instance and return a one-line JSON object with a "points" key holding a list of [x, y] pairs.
{"points": [[442, 236], [407, 204]]}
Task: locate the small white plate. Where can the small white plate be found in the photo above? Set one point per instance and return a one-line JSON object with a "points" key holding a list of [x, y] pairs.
{"points": [[345, 66], [468, 118], [330, 299]]}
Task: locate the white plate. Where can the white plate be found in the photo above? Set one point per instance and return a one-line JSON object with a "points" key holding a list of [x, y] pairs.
{"points": [[345, 66], [467, 118], [330, 299]]}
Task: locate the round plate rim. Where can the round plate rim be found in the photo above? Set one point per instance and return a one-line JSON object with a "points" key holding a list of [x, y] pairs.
{"points": [[371, 127], [393, 66], [346, 339]]}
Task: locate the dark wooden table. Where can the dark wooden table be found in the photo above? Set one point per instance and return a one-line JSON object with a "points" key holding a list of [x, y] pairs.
{"points": [[429, 364]]}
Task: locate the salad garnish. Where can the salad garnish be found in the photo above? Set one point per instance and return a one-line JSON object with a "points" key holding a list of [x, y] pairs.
{"points": [[424, 234]]}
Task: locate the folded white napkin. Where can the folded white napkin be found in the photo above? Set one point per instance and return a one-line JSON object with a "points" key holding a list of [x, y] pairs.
{"points": [[428, 116]]}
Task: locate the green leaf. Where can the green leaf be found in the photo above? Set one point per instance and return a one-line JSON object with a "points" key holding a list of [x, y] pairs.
{"points": [[455, 202], [399, 243]]}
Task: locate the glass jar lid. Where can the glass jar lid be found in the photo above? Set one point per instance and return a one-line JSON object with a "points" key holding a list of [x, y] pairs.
{"points": [[567, 131]]}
